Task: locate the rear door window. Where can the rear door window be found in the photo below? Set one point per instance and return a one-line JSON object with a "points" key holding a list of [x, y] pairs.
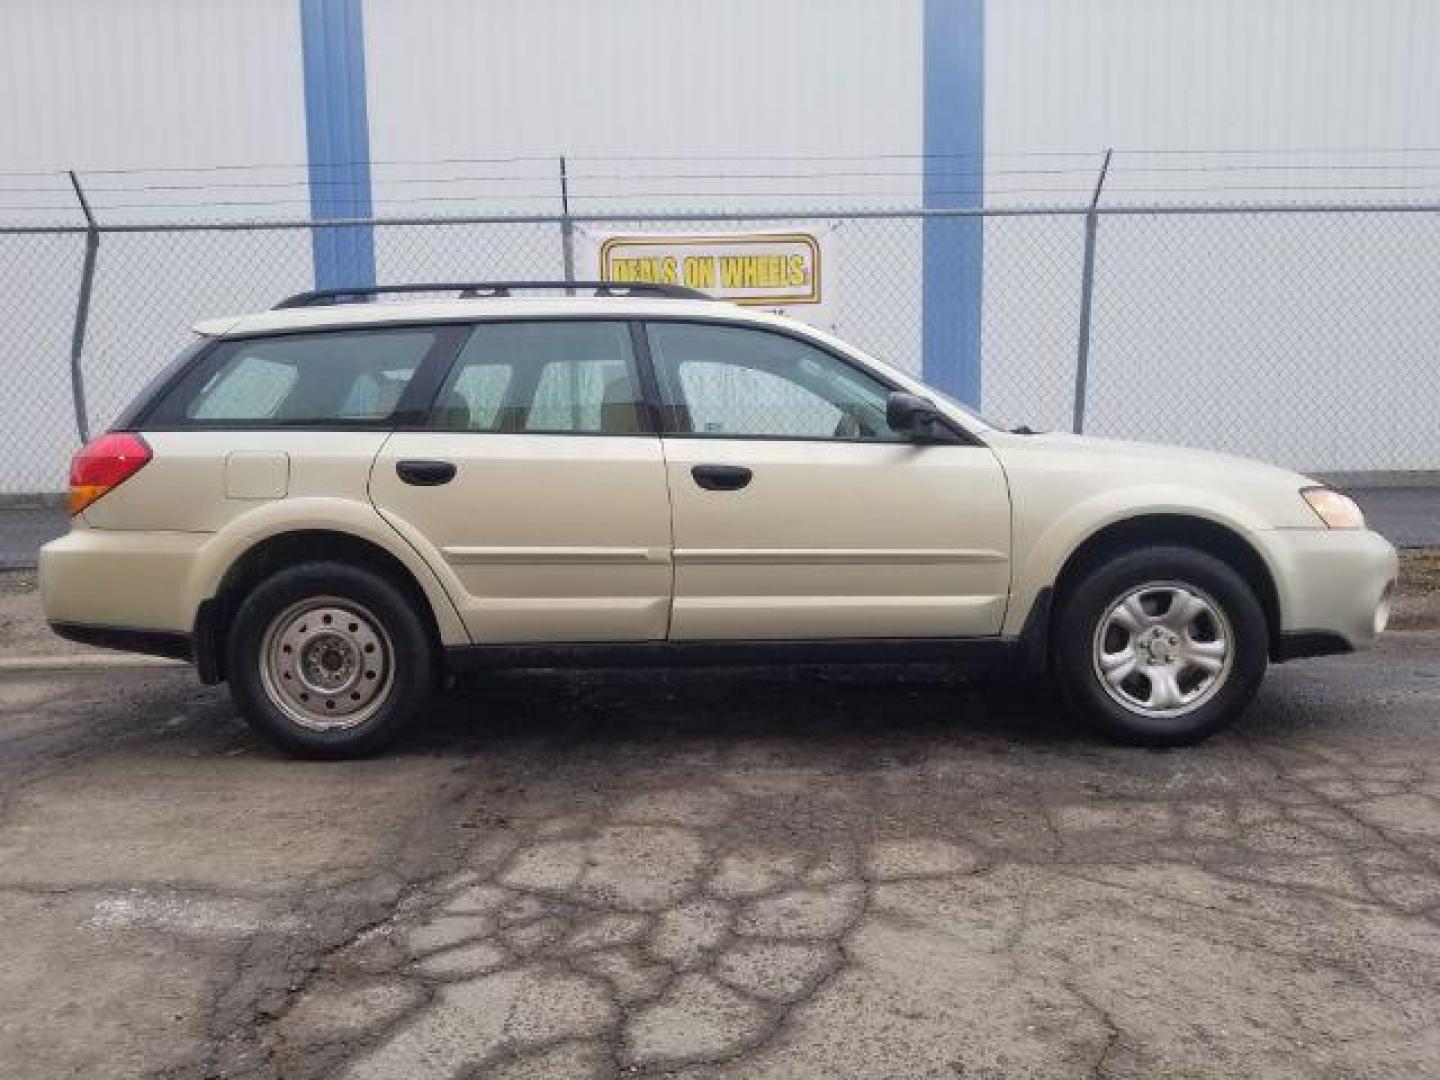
{"points": [[353, 377], [545, 377]]}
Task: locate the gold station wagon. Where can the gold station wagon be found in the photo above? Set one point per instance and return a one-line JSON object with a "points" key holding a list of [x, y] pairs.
{"points": [[332, 504]]}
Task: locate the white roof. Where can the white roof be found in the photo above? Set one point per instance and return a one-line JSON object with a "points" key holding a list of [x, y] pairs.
{"points": [[503, 307]]}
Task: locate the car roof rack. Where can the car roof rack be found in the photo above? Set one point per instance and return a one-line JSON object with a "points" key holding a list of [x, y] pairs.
{"points": [[471, 290]]}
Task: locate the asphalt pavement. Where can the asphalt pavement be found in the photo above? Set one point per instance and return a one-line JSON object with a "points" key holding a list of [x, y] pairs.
{"points": [[821, 873]]}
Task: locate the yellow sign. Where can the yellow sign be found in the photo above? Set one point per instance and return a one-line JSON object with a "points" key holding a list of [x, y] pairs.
{"points": [[758, 269]]}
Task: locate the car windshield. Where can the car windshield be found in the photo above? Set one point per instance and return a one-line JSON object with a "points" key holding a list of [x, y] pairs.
{"points": [[975, 418]]}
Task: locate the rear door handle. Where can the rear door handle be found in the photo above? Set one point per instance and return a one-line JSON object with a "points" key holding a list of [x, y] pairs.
{"points": [[721, 477], [423, 473]]}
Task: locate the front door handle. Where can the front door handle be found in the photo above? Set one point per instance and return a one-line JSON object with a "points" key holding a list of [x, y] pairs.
{"points": [[721, 477], [423, 473]]}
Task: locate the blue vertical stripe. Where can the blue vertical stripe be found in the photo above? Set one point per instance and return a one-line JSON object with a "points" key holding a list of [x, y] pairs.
{"points": [[954, 248], [337, 133]]}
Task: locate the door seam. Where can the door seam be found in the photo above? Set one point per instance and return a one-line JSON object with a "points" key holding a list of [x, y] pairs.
{"points": [[375, 507]]}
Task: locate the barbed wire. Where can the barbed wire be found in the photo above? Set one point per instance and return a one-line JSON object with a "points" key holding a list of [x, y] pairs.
{"points": [[969, 193], [632, 177], [958, 179], [714, 155]]}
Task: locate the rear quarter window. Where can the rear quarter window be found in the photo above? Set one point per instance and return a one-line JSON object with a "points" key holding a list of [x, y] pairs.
{"points": [[250, 387], [341, 377]]}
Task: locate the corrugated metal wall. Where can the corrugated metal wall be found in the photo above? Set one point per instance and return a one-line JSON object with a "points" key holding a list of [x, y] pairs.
{"points": [[815, 102], [744, 86], [163, 85], [150, 84], [1227, 74], [1304, 326]]}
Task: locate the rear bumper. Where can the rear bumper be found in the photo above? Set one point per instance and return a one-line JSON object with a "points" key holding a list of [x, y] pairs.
{"points": [[101, 579], [1335, 589]]}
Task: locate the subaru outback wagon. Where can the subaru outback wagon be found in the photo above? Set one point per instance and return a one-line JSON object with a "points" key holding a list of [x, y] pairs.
{"points": [[334, 504]]}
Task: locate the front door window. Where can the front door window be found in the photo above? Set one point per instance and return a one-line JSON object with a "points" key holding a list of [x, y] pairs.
{"points": [[736, 382]]}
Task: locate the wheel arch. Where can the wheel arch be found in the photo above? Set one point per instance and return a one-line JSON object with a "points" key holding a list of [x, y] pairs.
{"points": [[278, 550], [1144, 530]]}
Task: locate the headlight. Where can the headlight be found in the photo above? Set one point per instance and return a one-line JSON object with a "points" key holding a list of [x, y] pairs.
{"points": [[1335, 510]]}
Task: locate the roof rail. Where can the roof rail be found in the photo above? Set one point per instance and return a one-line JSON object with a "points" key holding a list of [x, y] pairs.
{"points": [[469, 290]]}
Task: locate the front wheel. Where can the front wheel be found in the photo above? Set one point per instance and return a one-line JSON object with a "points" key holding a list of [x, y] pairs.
{"points": [[328, 660], [1161, 646]]}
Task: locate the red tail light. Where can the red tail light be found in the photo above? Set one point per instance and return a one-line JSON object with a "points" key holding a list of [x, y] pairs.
{"points": [[105, 463]]}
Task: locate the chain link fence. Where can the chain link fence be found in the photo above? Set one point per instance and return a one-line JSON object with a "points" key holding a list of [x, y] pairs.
{"points": [[1304, 336]]}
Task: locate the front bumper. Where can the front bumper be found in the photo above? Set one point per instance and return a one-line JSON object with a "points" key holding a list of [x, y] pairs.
{"points": [[1335, 587]]}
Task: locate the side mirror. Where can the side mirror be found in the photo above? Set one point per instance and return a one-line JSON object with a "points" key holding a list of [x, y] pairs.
{"points": [[916, 417]]}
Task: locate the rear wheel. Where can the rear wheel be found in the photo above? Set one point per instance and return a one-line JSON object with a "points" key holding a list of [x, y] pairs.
{"points": [[329, 660], [1161, 646]]}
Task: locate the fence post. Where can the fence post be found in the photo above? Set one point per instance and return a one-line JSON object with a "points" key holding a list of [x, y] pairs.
{"points": [[1087, 293], [567, 227], [82, 312]]}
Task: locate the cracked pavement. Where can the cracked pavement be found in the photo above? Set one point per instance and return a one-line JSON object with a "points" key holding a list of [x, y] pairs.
{"points": [[889, 872]]}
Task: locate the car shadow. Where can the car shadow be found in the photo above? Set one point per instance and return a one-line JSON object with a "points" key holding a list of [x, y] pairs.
{"points": [[819, 704]]}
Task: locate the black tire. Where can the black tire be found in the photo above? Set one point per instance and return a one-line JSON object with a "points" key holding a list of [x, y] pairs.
{"points": [[1090, 601], [409, 649]]}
